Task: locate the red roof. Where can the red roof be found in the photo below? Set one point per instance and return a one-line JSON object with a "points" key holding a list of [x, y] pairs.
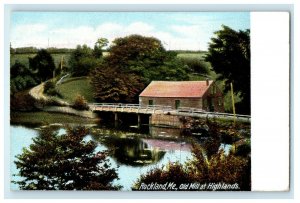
{"points": [[176, 89]]}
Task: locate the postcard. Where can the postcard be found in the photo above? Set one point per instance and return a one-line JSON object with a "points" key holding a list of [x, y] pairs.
{"points": [[130, 101]]}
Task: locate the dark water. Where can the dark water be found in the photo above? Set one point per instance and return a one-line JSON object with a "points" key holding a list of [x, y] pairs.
{"points": [[133, 153]]}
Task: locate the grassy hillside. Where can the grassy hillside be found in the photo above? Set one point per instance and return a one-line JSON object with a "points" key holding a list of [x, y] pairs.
{"points": [[71, 88], [23, 58]]}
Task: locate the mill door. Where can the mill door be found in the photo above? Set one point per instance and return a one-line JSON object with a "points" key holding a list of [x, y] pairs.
{"points": [[177, 104]]}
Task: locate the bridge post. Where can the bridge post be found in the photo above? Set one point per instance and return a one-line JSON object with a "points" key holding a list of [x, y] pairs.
{"points": [[139, 121], [116, 119]]}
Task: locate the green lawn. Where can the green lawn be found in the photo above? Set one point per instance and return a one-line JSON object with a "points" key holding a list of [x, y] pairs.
{"points": [[70, 89]]}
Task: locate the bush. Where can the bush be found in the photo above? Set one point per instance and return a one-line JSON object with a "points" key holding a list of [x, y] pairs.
{"points": [[80, 103], [218, 168], [50, 89], [243, 149], [22, 101], [175, 173]]}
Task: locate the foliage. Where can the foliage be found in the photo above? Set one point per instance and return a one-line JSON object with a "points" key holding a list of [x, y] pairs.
{"points": [[82, 61], [34, 50], [27, 50], [174, 173], [133, 62], [50, 89], [146, 57], [111, 85], [209, 164], [22, 101], [64, 162], [243, 149], [196, 62], [98, 48], [80, 103], [21, 78], [229, 55], [42, 64], [219, 168], [23, 58]]}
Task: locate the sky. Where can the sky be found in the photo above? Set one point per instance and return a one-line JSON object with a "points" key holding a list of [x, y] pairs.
{"points": [[176, 30]]}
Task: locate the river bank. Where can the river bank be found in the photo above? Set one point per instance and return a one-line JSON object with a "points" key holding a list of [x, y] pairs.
{"points": [[44, 118]]}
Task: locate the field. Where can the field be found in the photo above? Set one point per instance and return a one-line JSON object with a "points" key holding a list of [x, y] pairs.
{"points": [[197, 55], [70, 89], [23, 58]]}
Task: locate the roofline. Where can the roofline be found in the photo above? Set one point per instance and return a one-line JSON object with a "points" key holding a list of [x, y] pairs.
{"points": [[172, 97]]}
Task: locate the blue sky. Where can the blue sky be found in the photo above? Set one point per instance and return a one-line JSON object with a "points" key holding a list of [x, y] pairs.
{"points": [[176, 30]]}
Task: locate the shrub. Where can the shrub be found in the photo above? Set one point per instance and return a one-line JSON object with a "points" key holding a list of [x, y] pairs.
{"points": [[50, 89], [218, 168], [176, 173], [243, 149], [80, 103]]}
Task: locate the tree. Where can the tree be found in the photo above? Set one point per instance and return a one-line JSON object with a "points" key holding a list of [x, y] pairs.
{"points": [[42, 64], [133, 62], [112, 85], [229, 55], [99, 45], [82, 61], [64, 162], [21, 78], [145, 56]]}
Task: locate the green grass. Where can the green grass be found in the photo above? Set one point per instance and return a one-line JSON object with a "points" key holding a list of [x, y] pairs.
{"points": [[70, 89], [23, 58], [44, 118], [199, 55]]}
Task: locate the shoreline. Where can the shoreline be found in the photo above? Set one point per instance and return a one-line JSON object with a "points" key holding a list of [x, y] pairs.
{"points": [[44, 118]]}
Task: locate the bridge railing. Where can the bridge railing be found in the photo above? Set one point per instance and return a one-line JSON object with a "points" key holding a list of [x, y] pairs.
{"points": [[122, 106], [164, 109], [195, 112]]}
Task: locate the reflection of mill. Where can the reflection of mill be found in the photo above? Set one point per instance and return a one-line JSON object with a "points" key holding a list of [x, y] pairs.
{"points": [[134, 152]]}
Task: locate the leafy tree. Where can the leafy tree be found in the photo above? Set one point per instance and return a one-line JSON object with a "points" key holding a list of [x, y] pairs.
{"points": [[82, 60], [112, 85], [43, 65], [21, 78], [229, 55], [99, 45], [145, 56], [133, 62], [64, 162]]}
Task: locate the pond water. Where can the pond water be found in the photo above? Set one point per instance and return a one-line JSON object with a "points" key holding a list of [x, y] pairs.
{"points": [[133, 154]]}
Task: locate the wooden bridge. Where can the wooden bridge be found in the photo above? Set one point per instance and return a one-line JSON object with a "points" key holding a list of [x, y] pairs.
{"points": [[163, 110]]}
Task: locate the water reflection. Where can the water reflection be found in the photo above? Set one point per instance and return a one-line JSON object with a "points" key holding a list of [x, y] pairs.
{"points": [[132, 151], [161, 132]]}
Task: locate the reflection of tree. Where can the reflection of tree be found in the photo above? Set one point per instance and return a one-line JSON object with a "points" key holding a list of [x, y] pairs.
{"points": [[133, 152], [211, 146]]}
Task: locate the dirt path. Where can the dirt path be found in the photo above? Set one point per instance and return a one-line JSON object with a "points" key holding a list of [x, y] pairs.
{"points": [[61, 107], [37, 93]]}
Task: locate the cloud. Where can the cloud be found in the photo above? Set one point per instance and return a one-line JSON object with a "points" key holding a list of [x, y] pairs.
{"points": [[177, 36]]}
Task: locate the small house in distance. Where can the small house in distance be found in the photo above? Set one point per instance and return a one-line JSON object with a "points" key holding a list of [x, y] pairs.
{"points": [[203, 95]]}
